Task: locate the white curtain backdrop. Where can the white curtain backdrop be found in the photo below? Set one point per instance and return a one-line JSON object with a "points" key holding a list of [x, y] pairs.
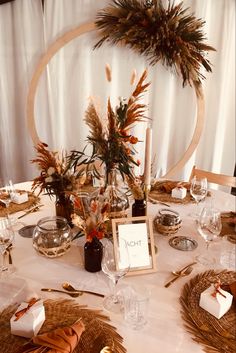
{"points": [[77, 72]]}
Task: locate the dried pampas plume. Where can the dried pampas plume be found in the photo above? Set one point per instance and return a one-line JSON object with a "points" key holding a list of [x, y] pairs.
{"points": [[108, 72], [133, 77]]}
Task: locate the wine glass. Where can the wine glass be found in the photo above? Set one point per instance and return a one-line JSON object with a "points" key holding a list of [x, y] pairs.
{"points": [[209, 227], [6, 192], [115, 264], [198, 190], [6, 238]]}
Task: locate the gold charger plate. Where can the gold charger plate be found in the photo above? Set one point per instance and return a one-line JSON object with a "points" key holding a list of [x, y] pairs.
{"points": [[14, 207], [59, 313], [216, 335]]}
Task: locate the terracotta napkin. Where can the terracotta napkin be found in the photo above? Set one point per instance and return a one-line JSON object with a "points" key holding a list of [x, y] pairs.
{"points": [[61, 340]]}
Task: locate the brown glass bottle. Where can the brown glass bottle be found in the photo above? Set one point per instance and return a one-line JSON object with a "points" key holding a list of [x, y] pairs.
{"points": [[93, 255], [139, 208]]}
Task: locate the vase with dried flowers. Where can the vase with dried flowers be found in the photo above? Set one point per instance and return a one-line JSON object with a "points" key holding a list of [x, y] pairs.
{"points": [[113, 143], [57, 178], [139, 206], [92, 222]]}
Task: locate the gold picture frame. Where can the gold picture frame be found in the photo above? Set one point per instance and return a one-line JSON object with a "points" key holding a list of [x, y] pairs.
{"points": [[138, 233]]}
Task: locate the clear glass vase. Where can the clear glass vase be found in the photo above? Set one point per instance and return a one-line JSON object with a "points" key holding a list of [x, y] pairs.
{"points": [[112, 194]]}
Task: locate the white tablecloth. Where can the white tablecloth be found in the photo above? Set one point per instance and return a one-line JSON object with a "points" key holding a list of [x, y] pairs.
{"points": [[165, 331]]}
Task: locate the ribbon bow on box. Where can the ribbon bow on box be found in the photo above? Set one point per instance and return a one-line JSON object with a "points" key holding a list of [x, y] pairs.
{"points": [[217, 288], [21, 312]]}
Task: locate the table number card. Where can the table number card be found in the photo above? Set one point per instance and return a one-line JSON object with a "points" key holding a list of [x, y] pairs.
{"points": [[138, 235], [136, 238]]}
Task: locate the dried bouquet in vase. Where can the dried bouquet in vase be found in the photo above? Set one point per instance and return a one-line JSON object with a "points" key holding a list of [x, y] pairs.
{"points": [[91, 219], [56, 173], [111, 138], [58, 178]]}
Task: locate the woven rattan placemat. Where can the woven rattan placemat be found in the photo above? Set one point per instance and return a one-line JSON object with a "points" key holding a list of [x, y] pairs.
{"points": [[216, 335], [98, 332], [161, 191], [14, 207]]}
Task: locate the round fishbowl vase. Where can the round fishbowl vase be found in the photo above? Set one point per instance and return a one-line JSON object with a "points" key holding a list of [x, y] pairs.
{"points": [[52, 236]]}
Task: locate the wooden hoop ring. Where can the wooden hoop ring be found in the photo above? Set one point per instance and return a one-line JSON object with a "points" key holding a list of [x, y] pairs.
{"points": [[60, 43]]}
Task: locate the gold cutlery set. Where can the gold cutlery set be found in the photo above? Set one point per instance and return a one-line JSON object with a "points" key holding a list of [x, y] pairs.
{"points": [[185, 271], [71, 291]]}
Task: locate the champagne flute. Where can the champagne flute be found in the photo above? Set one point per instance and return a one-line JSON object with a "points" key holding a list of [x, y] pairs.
{"points": [[6, 238], [209, 227], [115, 264], [198, 190]]}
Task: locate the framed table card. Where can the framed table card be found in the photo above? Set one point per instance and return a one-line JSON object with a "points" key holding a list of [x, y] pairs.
{"points": [[138, 234]]}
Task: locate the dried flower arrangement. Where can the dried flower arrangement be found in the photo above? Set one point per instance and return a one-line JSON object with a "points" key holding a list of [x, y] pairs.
{"points": [[167, 35], [56, 173], [111, 140], [93, 224], [137, 188]]}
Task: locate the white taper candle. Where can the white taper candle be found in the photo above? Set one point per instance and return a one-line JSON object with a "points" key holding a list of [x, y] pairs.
{"points": [[148, 157]]}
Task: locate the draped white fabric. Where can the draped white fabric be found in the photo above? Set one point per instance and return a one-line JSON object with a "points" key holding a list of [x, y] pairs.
{"points": [[77, 72]]}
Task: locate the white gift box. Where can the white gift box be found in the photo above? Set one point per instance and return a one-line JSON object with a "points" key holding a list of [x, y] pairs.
{"points": [[29, 324], [216, 305], [19, 197], [179, 192]]}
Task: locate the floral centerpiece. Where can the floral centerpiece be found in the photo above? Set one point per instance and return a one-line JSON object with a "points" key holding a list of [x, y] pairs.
{"points": [[113, 144], [92, 219], [92, 222], [111, 138], [57, 178]]}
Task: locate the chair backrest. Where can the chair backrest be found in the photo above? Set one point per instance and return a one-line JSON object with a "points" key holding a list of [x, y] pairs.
{"points": [[214, 178]]}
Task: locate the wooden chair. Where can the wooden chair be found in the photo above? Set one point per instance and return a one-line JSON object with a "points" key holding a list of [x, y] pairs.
{"points": [[214, 178]]}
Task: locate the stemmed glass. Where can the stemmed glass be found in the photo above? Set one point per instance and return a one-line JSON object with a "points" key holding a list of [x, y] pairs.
{"points": [[209, 227], [198, 191], [115, 264], [6, 238], [6, 192]]}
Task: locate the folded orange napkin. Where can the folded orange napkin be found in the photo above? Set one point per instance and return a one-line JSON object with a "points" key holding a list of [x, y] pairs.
{"points": [[61, 340]]}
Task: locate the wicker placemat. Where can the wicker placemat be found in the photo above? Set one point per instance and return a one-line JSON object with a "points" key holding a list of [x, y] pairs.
{"points": [[14, 207], [161, 191], [98, 332], [216, 335], [228, 220]]}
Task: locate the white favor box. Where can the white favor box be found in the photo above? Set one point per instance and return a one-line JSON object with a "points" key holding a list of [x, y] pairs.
{"points": [[218, 305], [179, 192], [19, 197], [29, 324]]}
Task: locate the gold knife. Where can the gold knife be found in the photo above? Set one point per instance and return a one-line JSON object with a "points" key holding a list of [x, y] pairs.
{"points": [[71, 293]]}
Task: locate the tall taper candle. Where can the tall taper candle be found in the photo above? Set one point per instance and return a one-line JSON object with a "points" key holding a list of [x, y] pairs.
{"points": [[148, 157]]}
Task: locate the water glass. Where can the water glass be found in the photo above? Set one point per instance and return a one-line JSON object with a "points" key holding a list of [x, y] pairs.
{"points": [[136, 303]]}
